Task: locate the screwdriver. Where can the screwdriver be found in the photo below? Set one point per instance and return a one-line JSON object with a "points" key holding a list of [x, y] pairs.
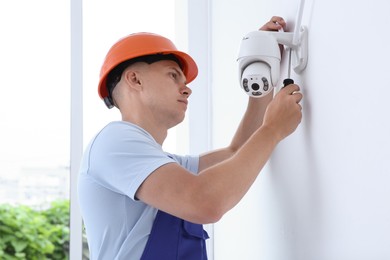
{"points": [[288, 80]]}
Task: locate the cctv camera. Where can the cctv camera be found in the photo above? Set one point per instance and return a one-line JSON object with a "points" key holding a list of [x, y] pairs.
{"points": [[259, 63], [259, 59]]}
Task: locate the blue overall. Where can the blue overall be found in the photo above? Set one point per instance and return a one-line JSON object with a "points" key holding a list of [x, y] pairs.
{"points": [[173, 238]]}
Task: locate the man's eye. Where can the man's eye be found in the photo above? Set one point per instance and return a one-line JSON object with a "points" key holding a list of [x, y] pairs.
{"points": [[173, 75]]}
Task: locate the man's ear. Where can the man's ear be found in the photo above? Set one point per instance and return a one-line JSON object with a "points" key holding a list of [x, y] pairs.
{"points": [[132, 78]]}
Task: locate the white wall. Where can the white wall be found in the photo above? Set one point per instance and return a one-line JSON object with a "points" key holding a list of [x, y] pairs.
{"points": [[325, 192]]}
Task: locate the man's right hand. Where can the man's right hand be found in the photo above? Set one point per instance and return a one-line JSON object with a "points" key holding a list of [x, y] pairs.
{"points": [[284, 113]]}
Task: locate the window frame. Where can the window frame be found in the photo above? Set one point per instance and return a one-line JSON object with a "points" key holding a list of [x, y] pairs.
{"points": [[76, 125]]}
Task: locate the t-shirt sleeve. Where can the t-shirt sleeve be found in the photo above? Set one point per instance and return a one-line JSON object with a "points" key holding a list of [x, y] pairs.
{"points": [[122, 157], [190, 162]]}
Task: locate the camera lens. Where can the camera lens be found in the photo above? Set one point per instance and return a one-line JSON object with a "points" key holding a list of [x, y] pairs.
{"points": [[255, 86]]}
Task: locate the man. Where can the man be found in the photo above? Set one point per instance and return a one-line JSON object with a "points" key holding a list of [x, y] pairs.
{"points": [[139, 202]]}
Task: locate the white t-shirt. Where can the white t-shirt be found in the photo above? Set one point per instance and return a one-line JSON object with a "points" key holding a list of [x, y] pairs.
{"points": [[114, 165]]}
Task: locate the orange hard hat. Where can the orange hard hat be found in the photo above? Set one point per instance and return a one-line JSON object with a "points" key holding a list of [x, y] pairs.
{"points": [[142, 44]]}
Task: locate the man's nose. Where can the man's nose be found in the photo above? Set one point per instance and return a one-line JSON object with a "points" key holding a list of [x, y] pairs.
{"points": [[186, 91]]}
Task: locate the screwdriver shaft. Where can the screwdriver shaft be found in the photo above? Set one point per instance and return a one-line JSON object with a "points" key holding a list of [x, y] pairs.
{"points": [[289, 63], [288, 80]]}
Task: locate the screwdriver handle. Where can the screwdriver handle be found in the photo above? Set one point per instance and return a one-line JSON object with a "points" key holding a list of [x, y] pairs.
{"points": [[287, 82]]}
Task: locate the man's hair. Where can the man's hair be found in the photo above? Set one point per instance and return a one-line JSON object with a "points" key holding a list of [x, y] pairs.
{"points": [[115, 74]]}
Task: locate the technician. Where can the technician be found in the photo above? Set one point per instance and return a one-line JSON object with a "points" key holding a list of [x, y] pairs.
{"points": [[140, 202]]}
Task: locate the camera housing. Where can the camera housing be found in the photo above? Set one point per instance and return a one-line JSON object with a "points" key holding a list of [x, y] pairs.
{"points": [[259, 63]]}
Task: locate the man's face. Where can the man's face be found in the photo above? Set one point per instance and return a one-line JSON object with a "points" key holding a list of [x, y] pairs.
{"points": [[165, 91]]}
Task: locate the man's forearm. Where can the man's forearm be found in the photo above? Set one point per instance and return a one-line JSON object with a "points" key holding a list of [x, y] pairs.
{"points": [[251, 121], [225, 184]]}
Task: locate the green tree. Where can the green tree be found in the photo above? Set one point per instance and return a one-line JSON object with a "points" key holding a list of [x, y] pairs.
{"points": [[26, 233]]}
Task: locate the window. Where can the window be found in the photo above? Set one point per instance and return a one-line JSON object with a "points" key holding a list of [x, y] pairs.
{"points": [[35, 123]]}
